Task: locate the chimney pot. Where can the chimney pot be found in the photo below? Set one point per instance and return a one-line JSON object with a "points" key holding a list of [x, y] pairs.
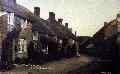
{"points": [[75, 33], [118, 15], [66, 25], [51, 16], [105, 23], [9, 3], [60, 20], [37, 11]]}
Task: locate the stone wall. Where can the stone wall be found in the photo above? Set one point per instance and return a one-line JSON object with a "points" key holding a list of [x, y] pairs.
{"points": [[3, 28]]}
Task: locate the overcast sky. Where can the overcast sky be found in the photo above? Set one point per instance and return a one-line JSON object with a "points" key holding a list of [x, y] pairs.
{"points": [[84, 16]]}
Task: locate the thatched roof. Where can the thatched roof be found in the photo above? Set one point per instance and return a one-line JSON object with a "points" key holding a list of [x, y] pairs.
{"points": [[42, 27], [60, 30], [38, 23], [101, 31]]}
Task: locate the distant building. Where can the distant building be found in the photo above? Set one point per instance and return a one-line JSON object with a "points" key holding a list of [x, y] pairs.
{"points": [[107, 37], [63, 33]]}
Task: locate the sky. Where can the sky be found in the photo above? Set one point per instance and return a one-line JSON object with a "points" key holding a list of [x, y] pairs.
{"points": [[84, 16]]}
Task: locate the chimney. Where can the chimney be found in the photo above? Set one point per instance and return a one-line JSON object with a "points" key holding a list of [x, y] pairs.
{"points": [[66, 25], [51, 16], [105, 23], [8, 3], [118, 17], [75, 33], [37, 11], [60, 20]]}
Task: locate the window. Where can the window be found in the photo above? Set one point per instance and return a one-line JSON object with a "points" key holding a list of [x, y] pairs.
{"points": [[10, 21], [2, 13], [24, 25], [60, 41], [22, 45], [35, 36]]}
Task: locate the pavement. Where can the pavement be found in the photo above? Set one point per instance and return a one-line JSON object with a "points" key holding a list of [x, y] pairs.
{"points": [[65, 65]]}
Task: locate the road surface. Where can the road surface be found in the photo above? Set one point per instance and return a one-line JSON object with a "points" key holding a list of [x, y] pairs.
{"points": [[65, 65]]}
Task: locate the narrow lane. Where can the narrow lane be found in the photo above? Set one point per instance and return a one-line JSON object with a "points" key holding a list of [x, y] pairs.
{"points": [[61, 66]]}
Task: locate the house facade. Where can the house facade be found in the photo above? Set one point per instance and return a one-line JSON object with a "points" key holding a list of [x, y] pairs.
{"points": [[25, 35], [107, 39], [16, 31]]}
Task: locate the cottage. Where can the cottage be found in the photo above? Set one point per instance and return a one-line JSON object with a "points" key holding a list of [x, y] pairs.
{"points": [[25, 35], [63, 34], [19, 27]]}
